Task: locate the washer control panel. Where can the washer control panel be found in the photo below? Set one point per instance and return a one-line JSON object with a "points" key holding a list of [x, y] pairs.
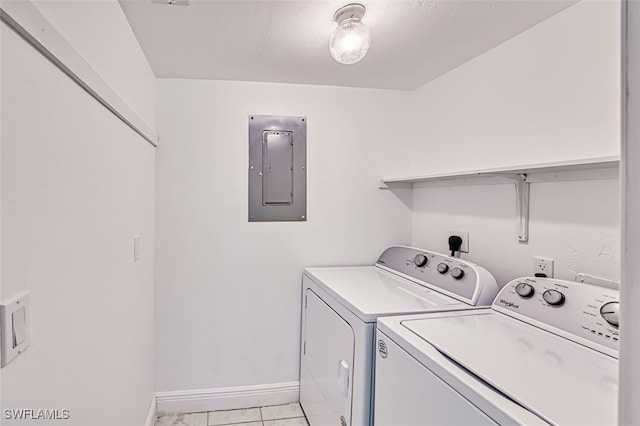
{"points": [[584, 313], [453, 276]]}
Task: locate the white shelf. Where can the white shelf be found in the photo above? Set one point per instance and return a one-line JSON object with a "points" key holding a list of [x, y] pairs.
{"points": [[521, 176], [550, 168]]}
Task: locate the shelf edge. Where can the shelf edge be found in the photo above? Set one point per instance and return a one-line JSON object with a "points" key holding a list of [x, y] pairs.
{"points": [[551, 167]]}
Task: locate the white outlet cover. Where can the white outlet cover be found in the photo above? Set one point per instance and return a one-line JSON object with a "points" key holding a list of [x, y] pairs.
{"points": [[16, 324], [543, 265], [464, 248]]}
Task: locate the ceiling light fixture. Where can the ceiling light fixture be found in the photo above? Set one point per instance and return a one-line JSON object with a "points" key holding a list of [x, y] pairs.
{"points": [[350, 41]]}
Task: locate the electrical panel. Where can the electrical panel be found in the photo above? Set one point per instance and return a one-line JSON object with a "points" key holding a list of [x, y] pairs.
{"points": [[277, 168]]}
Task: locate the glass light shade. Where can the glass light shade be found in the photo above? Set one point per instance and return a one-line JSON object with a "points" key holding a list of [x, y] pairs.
{"points": [[350, 41]]}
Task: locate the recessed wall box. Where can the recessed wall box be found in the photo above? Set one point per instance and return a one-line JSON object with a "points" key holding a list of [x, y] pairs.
{"points": [[16, 337], [277, 168]]}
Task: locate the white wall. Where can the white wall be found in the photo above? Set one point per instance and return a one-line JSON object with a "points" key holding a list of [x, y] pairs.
{"points": [[1, 96], [581, 233], [228, 291], [100, 32], [630, 291], [551, 93], [77, 185]]}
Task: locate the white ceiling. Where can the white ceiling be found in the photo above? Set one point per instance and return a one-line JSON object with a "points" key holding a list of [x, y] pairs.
{"points": [[413, 41]]}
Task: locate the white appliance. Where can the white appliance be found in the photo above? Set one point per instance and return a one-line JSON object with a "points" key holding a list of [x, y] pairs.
{"points": [[545, 353], [340, 309]]}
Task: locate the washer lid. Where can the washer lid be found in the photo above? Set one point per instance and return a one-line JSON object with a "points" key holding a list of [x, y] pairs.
{"points": [[370, 292], [561, 381]]}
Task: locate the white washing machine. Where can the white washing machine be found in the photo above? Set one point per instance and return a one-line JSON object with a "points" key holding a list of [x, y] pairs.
{"points": [[340, 309], [545, 353]]}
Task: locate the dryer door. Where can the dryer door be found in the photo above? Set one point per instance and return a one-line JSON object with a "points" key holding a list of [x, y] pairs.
{"points": [[327, 365]]}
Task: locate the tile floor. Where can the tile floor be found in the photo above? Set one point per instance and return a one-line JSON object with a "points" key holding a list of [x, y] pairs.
{"points": [[274, 415]]}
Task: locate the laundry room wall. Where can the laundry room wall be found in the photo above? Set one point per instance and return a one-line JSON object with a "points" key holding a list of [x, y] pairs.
{"points": [[77, 186], [1, 298], [100, 32], [228, 291], [629, 373], [552, 93]]}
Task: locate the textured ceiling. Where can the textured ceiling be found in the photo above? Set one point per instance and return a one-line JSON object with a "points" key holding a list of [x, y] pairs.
{"points": [[413, 41]]}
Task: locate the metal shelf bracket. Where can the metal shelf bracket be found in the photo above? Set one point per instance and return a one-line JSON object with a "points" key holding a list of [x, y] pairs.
{"points": [[522, 206], [522, 176]]}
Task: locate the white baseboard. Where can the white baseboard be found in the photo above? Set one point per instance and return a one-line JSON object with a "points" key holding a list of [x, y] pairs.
{"points": [[151, 417], [198, 400]]}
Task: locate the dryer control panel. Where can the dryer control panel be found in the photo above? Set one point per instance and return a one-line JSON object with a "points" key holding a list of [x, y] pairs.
{"points": [[584, 313], [455, 277]]}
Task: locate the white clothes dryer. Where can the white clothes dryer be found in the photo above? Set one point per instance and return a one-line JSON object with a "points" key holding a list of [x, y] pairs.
{"points": [[340, 309], [545, 353]]}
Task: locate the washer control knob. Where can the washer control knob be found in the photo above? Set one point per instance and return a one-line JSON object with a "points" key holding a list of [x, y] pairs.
{"points": [[525, 290], [610, 312], [553, 297], [457, 273], [443, 268], [420, 260]]}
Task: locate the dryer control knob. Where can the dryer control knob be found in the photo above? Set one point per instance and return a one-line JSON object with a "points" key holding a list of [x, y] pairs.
{"points": [[525, 290], [553, 297], [420, 260], [457, 273], [442, 268], [610, 312]]}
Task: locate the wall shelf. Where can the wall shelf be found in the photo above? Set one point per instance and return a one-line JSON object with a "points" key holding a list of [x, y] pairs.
{"points": [[522, 176], [564, 167]]}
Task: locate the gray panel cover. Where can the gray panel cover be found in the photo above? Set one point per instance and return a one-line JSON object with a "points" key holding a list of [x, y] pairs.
{"points": [[277, 168]]}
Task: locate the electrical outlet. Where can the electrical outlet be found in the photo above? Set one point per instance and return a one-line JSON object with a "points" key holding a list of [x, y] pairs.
{"points": [[543, 265], [464, 248]]}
